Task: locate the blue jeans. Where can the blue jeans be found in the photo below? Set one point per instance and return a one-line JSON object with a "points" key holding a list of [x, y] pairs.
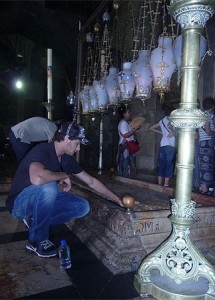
{"points": [[166, 161], [47, 205]]}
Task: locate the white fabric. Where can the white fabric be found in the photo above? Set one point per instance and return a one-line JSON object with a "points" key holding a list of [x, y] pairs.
{"points": [[166, 141], [35, 129], [203, 136], [124, 127]]}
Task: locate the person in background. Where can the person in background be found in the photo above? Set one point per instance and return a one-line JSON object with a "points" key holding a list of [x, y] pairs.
{"points": [[206, 148], [40, 195], [23, 135], [167, 147], [126, 162], [195, 182]]}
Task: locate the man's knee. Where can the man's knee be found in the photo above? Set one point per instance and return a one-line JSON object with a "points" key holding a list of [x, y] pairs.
{"points": [[49, 191], [86, 208]]}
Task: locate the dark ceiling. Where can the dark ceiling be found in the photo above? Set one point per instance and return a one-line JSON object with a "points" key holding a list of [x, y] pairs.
{"points": [[50, 24]]}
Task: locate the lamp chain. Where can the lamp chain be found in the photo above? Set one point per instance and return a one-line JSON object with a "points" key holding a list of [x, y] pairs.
{"points": [[136, 31], [172, 25], [164, 19], [126, 36], [106, 42], [143, 28], [87, 71], [115, 40], [96, 60], [154, 21]]}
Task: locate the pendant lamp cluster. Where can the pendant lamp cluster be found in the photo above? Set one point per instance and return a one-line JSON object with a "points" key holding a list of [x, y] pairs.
{"points": [[111, 78]]}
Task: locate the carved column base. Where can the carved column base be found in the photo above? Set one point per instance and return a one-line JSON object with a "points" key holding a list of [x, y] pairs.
{"points": [[176, 270]]}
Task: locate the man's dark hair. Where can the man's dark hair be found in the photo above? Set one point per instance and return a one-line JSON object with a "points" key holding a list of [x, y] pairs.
{"points": [[122, 110], [167, 109], [58, 136], [208, 103]]}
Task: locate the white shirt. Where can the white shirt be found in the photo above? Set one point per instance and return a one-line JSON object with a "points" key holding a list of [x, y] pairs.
{"points": [[203, 136], [35, 129], [124, 127], [166, 141]]}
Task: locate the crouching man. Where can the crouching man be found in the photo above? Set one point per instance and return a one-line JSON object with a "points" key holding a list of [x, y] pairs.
{"points": [[35, 196]]}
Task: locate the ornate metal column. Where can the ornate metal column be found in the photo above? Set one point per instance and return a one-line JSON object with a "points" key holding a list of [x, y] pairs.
{"points": [[49, 105], [177, 269]]}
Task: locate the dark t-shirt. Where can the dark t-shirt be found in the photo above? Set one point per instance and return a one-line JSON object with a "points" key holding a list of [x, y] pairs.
{"points": [[43, 153]]}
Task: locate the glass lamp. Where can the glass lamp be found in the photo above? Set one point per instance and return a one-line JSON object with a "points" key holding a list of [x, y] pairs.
{"points": [[163, 65], [142, 75]]}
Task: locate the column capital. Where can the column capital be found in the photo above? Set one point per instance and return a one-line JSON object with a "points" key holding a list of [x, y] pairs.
{"points": [[192, 13]]}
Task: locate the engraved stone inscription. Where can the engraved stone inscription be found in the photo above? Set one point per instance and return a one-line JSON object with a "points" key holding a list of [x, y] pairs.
{"points": [[146, 227], [210, 219], [203, 220]]}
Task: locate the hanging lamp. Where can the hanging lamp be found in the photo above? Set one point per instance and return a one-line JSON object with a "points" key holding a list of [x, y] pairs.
{"points": [[143, 76], [163, 65], [93, 99], [141, 68], [125, 76], [84, 95], [111, 80], [162, 60]]}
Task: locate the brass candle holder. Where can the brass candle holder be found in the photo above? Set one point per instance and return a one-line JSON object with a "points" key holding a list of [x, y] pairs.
{"points": [[128, 202]]}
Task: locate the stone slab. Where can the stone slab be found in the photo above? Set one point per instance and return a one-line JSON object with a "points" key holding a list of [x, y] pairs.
{"points": [[9, 225], [24, 273], [2, 199], [5, 186], [121, 241]]}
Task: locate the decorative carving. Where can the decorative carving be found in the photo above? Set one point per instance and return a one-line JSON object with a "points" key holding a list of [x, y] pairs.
{"points": [[185, 211], [187, 118], [179, 260], [193, 15]]}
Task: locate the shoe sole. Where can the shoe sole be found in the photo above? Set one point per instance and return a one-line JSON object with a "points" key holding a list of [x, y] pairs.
{"points": [[40, 255]]}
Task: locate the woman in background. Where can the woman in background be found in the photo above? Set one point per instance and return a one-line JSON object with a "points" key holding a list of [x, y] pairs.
{"points": [[167, 147], [126, 162], [206, 148]]}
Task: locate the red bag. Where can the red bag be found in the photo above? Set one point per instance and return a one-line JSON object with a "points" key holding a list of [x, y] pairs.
{"points": [[133, 146]]}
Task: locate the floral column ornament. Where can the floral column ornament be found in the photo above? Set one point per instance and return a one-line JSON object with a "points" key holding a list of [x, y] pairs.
{"points": [[177, 269]]}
